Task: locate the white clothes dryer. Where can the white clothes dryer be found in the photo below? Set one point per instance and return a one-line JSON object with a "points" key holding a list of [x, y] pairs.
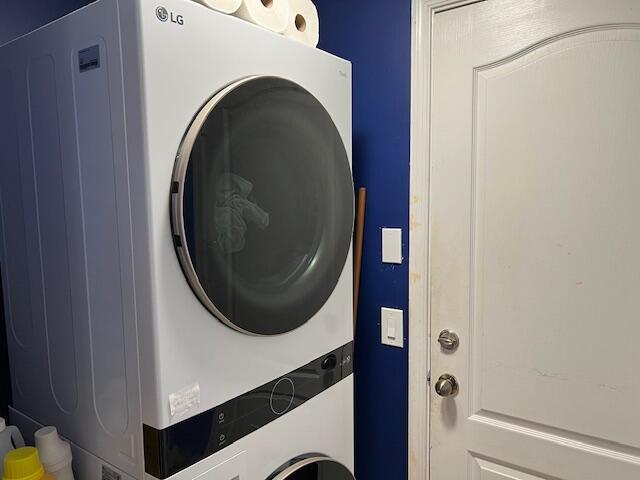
{"points": [[176, 210]]}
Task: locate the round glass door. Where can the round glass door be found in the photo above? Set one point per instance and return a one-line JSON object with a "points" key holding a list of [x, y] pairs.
{"points": [[316, 468], [262, 205]]}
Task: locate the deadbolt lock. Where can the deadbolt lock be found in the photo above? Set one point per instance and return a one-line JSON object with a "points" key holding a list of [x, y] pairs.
{"points": [[448, 340]]}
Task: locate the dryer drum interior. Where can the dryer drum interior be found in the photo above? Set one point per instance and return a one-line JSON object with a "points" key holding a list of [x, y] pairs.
{"points": [[314, 468], [262, 205]]}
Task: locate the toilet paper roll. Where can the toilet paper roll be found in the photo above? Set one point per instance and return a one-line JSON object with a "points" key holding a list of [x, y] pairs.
{"points": [[224, 6], [271, 14], [304, 24]]}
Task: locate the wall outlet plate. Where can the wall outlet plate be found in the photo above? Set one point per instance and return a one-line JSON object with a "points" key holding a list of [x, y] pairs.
{"points": [[392, 245]]}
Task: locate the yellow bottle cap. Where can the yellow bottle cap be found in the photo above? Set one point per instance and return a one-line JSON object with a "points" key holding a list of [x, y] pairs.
{"points": [[23, 464]]}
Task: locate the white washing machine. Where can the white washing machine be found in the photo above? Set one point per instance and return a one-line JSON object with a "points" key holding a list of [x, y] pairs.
{"points": [[309, 443], [176, 212]]}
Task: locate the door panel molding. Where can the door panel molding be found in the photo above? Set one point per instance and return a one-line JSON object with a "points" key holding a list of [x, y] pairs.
{"points": [[556, 38], [484, 468], [534, 56], [550, 449], [558, 436]]}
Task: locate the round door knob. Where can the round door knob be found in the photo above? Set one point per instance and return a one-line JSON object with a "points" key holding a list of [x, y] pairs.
{"points": [[447, 385]]}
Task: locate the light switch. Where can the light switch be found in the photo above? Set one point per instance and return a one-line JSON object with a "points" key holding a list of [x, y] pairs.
{"points": [[392, 245], [392, 327]]}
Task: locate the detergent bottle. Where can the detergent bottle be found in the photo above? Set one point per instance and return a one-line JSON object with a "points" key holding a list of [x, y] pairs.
{"points": [[55, 453], [24, 464], [10, 439]]}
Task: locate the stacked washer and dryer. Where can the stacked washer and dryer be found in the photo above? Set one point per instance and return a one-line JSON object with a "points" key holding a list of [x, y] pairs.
{"points": [[176, 212]]}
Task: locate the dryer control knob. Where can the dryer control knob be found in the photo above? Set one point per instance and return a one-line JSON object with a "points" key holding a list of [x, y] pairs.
{"points": [[329, 363], [282, 396]]}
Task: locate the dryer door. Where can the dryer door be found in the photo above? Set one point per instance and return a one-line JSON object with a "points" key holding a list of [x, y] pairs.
{"points": [[316, 468], [262, 205]]}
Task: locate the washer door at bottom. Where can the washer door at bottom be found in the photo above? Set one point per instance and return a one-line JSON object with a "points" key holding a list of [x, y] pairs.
{"points": [[315, 468]]}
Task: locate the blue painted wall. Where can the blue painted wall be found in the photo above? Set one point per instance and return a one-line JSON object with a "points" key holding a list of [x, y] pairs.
{"points": [[375, 35], [22, 16]]}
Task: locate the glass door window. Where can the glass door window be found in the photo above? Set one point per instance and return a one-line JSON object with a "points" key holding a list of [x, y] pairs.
{"points": [[262, 205]]}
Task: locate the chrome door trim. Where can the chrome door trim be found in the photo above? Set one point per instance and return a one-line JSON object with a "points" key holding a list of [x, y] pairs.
{"points": [[177, 200], [303, 463]]}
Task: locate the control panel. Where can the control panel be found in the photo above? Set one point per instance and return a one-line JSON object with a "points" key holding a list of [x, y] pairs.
{"points": [[179, 446]]}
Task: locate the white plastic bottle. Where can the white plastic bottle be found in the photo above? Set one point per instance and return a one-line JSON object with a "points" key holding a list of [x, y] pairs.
{"points": [[55, 453], [10, 438]]}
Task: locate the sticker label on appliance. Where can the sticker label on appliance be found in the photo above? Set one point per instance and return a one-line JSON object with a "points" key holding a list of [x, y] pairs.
{"points": [[184, 400], [89, 58], [109, 474]]}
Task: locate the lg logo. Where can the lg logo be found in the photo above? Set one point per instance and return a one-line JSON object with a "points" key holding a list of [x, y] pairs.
{"points": [[164, 15]]}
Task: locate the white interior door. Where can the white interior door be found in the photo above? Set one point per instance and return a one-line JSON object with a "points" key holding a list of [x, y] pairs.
{"points": [[535, 240]]}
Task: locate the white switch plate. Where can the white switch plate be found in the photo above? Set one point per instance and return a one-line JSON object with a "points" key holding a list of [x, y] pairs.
{"points": [[392, 245], [392, 327]]}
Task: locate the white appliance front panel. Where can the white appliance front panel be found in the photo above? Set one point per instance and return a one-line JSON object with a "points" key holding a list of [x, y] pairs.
{"points": [[323, 425], [183, 66]]}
